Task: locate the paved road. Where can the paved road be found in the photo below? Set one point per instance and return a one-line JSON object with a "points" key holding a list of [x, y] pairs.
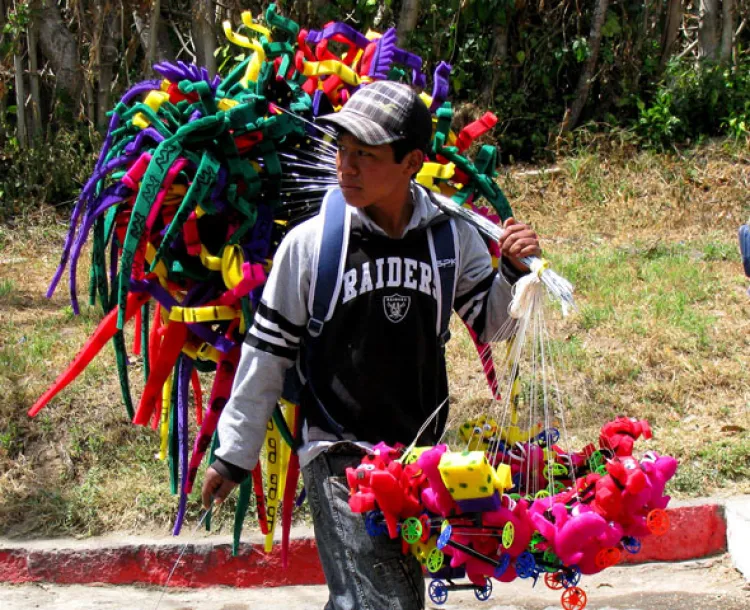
{"points": [[710, 584]]}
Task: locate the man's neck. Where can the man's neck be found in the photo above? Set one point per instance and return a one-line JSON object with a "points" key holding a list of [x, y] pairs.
{"points": [[392, 216]]}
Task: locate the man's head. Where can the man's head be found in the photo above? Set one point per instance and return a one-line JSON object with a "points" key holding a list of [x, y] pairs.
{"points": [[386, 112], [384, 131]]}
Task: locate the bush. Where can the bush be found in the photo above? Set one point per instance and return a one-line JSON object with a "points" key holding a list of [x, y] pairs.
{"points": [[51, 173], [690, 103]]}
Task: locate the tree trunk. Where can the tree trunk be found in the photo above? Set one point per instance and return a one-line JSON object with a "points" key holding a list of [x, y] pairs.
{"points": [[708, 30], [727, 31], [60, 48], [498, 57], [37, 129], [164, 50], [407, 19], [21, 134], [208, 35], [109, 35], [2, 23], [153, 29], [317, 5], [671, 30], [584, 81]]}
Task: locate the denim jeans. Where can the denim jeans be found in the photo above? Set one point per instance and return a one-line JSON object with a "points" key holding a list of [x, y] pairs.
{"points": [[363, 572]]}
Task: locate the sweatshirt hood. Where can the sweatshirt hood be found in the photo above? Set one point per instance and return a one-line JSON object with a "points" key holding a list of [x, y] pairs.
{"points": [[424, 214]]}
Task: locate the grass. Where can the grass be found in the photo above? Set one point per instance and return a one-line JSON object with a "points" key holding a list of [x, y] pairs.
{"points": [[662, 333]]}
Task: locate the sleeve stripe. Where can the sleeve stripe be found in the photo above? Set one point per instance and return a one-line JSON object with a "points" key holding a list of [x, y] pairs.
{"points": [[265, 325], [270, 337], [472, 309], [481, 287], [270, 348], [273, 316]]}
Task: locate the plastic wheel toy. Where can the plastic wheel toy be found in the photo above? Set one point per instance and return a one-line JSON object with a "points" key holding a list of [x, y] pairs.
{"points": [[411, 530], [657, 522], [573, 599], [554, 470], [502, 565], [444, 537], [571, 576], [509, 534], [631, 545], [483, 593], [438, 592], [606, 558], [554, 580], [373, 523], [525, 565], [435, 560]]}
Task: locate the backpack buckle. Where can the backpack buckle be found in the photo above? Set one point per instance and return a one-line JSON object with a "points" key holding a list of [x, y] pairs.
{"points": [[314, 327]]}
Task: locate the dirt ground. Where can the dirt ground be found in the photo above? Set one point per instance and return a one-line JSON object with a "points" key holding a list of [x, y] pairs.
{"points": [[707, 584]]}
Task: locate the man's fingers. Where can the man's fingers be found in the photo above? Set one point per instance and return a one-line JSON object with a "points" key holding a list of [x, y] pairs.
{"points": [[523, 246], [223, 491]]}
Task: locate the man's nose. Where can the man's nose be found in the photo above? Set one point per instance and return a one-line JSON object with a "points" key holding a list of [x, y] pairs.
{"points": [[348, 163]]}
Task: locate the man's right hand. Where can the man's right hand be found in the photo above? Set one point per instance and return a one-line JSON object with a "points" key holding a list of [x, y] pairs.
{"points": [[215, 486]]}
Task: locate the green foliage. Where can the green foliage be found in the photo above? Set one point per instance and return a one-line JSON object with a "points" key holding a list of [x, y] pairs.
{"points": [[17, 20], [690, 103], [52, 173]]}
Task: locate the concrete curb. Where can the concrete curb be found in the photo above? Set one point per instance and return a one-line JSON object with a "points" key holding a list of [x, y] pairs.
{"points": [[697, 531]]}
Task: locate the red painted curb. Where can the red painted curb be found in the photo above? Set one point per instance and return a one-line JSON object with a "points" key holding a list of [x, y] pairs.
{"points": [[696, 531], [200, 566]]}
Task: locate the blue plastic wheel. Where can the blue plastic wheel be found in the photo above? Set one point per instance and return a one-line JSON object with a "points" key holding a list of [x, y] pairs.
{"points": [[502, 565], [525, 565], [483, 593], [571, 576], [444, 537], [631, 545], [438, 592], [374, 524]]}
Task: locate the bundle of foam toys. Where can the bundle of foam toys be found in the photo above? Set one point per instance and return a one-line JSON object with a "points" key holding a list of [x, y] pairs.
{"points": [[197, 181], [521, 510]]}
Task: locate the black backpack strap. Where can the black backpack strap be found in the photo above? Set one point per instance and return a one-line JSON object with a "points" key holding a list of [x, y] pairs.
{"points": [[330, 257], [443, 240]]}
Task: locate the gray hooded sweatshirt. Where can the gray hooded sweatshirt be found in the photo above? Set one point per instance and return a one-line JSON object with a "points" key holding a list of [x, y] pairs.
{"points": [[272, 344]]}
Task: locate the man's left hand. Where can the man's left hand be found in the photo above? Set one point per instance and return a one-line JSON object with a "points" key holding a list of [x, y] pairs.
{"points": [[518, 241]]}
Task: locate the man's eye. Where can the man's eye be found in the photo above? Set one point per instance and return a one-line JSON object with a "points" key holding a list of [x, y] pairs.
{"points": [[364, 153]]}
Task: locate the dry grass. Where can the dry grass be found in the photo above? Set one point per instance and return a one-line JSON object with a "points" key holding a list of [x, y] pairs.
{"points": [[663, 332]]}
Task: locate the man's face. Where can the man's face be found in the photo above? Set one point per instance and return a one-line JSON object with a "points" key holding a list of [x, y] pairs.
{"points": [[369, 175]]}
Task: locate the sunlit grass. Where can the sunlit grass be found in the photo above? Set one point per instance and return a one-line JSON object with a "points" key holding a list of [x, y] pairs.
{"points": [[662, 333]]}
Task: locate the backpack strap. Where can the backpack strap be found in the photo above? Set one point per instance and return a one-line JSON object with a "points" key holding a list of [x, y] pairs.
{"points": [[443, 240], [328, 265]]}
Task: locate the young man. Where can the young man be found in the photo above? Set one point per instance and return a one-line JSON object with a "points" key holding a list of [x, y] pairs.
{"points": [[376, 372]]}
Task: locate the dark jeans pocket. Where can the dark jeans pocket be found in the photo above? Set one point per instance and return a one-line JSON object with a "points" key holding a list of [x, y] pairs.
{"points": [[404, 581]]}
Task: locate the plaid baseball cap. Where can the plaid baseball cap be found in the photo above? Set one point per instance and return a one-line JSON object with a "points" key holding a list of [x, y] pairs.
{"points": [[383, 112]]}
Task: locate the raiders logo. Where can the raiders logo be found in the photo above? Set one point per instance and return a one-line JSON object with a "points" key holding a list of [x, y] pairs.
{"points": [[396, 307]]}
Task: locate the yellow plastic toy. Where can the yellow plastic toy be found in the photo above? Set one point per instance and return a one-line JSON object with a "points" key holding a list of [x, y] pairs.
{"points": [[479, 432], [469, 476]]}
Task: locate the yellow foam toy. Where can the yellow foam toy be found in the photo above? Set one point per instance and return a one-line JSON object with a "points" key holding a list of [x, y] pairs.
{"points": [[469, 476], [478, 432]]}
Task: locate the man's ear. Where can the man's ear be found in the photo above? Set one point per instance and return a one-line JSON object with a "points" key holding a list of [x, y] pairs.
{"points": [[413, 161]]}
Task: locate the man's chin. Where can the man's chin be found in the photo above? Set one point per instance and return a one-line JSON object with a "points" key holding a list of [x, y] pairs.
{"points": [[354, 196]]}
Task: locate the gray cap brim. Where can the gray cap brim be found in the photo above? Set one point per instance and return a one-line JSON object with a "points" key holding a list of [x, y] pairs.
{"points": [[361, 127]]}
